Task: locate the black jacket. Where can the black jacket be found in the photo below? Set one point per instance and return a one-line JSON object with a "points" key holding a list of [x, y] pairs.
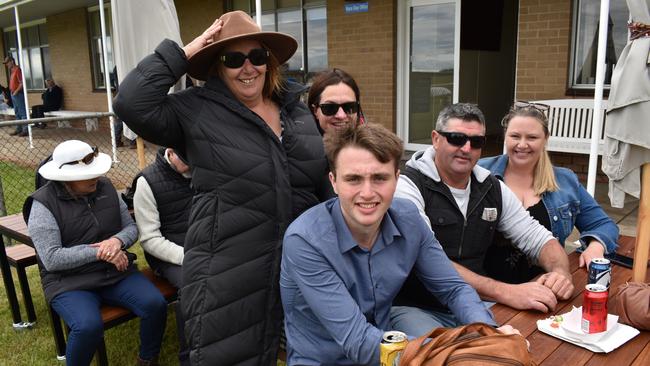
{"points": [[82, 220], [249, 187], [173, 196], [465, 240]]}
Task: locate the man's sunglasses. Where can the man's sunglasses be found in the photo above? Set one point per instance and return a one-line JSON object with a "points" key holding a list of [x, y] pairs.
{"points": [[524, 104], [330, 109], [86, 159], [235, 60], [460, 139]]}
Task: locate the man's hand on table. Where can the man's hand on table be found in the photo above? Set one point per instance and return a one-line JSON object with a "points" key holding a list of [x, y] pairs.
{"points": [[528, 295], [560, 283]]}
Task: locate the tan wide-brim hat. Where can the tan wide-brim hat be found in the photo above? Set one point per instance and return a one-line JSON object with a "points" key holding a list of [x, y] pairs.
{"points": [[74, 151], [237, 25]]}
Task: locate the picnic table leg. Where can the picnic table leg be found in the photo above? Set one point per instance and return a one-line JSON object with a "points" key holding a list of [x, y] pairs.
{"points": [[9, 287], [27, 296]]}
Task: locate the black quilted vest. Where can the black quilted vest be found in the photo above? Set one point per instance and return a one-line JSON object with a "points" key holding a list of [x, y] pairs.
{"points": [[465, 241], [173, 197], [82, 220]]}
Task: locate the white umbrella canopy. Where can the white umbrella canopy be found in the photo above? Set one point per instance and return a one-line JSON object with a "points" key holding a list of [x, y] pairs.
{"points": [[138, 27], [627, 132]]}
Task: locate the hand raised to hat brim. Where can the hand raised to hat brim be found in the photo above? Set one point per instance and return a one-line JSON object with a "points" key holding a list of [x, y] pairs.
{"points": [[203, 39]]}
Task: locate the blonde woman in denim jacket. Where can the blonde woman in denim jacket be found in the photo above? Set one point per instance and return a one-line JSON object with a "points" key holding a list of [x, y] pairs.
{"points": [[527, 170]]}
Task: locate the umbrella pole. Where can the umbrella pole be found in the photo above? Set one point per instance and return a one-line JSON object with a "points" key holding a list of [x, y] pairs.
{"points": [[140, 145], [643, 228]]}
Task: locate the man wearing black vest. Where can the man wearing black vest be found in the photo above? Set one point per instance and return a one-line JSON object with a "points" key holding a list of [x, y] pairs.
{"points": [[161, 204], [464, 205]]}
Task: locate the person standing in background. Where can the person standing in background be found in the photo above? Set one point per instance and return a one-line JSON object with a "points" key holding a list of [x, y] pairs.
{"points": [[17, 97]]}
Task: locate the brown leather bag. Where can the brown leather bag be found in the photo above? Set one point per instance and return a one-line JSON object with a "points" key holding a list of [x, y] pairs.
{"points": [[475, 344], [633, 304]]}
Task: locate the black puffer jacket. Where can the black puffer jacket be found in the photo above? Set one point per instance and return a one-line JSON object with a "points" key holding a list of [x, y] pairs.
{"points": [[250, 186]]}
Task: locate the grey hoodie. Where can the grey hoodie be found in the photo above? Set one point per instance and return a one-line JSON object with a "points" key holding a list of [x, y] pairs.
{"points": [[516, 224]]}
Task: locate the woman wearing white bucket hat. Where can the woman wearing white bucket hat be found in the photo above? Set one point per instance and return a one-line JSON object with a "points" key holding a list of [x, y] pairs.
{"points": [[81, 230], [257, 163]]}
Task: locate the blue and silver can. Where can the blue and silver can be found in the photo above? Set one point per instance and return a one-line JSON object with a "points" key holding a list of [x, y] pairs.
{"points": [[600, 272]]}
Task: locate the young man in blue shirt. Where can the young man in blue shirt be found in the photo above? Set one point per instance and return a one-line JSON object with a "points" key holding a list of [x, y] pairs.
{"points": [[345, 260]]}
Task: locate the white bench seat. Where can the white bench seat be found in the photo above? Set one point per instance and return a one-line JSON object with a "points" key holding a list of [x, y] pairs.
{"points": [[570, 125], [92, 123]]}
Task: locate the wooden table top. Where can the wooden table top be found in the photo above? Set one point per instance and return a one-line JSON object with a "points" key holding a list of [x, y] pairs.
{"points": [[545, 350], [14, 226]]}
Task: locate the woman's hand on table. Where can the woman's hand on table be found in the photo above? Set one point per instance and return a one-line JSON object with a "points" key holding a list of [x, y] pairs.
{"points": [[594, 250]]}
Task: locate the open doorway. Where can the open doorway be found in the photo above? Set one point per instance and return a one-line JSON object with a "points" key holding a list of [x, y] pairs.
{"points": [[454, 51]]}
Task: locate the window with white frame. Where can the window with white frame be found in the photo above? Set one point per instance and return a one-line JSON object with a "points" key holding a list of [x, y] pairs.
{"points": [[584, 50], [96, 50], [35, 58], [306, 21]]}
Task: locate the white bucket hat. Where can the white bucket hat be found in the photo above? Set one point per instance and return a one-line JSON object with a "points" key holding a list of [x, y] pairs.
{"points": [[74, 160]]}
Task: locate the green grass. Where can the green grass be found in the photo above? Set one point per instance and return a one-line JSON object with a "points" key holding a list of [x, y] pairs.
{"points": [[36, 346], [17, 184]]}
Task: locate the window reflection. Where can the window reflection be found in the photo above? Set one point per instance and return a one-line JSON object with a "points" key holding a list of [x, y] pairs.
{"points": [[307, 24], [431, 79], [585, 33], [35, 60], [96, 47]]}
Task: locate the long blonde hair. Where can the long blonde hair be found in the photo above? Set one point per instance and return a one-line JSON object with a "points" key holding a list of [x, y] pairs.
{"points": [[544, 177]]}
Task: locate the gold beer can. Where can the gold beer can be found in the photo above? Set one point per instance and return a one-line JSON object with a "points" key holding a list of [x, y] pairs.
{"points": [[391, 347]]}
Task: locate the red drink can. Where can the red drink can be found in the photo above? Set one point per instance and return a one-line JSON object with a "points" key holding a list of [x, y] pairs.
{"points": [[594, 309]]}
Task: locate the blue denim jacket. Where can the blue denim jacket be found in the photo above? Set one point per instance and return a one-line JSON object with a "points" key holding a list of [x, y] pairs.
{"points": [[569, 206]]}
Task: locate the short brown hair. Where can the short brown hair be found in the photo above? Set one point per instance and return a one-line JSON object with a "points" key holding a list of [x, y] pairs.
{"points": [[377, 139]]}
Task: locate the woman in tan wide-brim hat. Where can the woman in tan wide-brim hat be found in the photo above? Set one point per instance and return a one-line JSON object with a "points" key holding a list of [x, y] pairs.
{"points": [[257, 163]]}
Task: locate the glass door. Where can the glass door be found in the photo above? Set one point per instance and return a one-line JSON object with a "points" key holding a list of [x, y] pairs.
{"points": [[428, 71]]}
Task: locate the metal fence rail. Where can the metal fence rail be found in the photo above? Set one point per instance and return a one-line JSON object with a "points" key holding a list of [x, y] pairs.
{"points": [[19, 161]]}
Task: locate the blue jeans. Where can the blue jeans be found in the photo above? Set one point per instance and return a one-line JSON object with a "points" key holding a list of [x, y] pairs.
{"points": [[417, 322], [80, 311], [19, 109]]}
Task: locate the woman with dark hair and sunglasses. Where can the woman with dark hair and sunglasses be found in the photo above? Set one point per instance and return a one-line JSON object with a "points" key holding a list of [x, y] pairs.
{"points": [[81, 229], [257, 163], [552, 195], [334, 99]]}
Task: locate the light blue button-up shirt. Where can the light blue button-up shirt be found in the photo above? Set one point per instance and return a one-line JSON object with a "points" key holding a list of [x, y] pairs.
{"points": [[337, 295]]}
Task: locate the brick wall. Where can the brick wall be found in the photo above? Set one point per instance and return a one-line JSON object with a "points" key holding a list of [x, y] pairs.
{"points": [[363, 44], [194, 16], [543, 64], [71, 66], [543, 49]]}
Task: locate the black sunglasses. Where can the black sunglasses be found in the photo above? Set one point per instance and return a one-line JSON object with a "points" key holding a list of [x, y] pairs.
{"points": [[524, 104], [86, 159], [460, 139], [330, 109], [234, 60]]}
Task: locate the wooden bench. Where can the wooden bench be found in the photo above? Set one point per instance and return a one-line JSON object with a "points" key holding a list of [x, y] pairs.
{"points": [[21, 256], [112, 316], [570, 125]]}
